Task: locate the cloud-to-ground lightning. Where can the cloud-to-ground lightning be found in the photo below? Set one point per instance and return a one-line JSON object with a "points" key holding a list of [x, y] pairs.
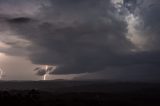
{"points": [[1, 73], [45, 75], [44, 71]]}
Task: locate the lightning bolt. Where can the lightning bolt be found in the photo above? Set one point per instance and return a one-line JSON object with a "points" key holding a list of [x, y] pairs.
{"points": [[46, 68], [1, 73], [44, 77]]}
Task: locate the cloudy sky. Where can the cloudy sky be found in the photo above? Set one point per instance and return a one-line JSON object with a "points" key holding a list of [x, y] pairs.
{"points": [[81, 39]]}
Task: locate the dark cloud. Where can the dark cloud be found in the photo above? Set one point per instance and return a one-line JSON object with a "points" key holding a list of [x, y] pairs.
{"points": [[80, 36], [130, 5], [135, 73], [41, 72], [20, 20]]}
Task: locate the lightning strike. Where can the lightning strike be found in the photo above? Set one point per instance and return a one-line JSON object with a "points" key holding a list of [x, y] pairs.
{"points": [[45, 75], [1, 73]]}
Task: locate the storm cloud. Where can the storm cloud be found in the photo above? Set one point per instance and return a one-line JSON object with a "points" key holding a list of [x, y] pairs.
{"points": [[76, 36], [149, 17], [80, 36]]}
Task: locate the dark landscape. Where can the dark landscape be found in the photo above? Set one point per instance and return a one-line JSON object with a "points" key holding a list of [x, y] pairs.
{"points": [[79, 93]]}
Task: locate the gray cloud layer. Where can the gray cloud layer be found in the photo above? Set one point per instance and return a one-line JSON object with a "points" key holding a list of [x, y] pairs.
{"points": [[75, 35], [80, 36], [149, 15]]}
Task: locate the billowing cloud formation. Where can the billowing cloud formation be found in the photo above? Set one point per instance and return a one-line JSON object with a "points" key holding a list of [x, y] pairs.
{"points": [[77, 36], [149, 16], [80, 36]]}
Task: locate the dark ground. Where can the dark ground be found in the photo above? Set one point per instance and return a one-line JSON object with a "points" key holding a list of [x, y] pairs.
{"points": [[79, 93]]}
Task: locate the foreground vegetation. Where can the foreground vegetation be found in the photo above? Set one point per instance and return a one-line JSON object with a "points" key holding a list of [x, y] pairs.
{"points": [[40, 98]]}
